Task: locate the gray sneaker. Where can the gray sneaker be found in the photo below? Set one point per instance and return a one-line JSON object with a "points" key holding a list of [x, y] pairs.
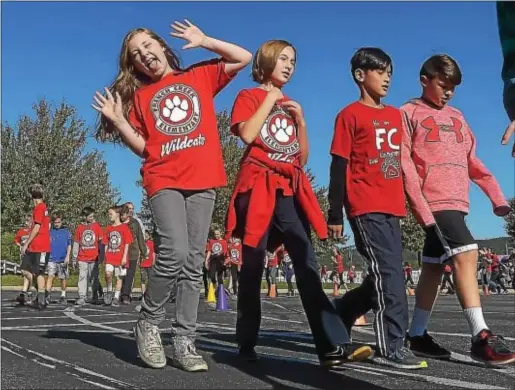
{"points": [[150, 346], [80, 302], [115, 302], [402, 358], [108, 298], [185, 356]]}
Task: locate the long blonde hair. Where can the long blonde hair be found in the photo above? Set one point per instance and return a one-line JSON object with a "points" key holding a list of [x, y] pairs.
{"points": [[129, 80]]}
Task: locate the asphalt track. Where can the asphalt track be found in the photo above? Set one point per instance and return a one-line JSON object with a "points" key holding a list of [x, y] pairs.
{"points": [[92, 347]]}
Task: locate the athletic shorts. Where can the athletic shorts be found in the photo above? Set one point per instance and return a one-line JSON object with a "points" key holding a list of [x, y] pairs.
{"points": [[35, 262], [119, 271], [448, 238], [144, 274], [59, 269]]}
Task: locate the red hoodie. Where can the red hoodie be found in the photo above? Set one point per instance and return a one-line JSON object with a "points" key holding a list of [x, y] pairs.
{"points": [[259, 174], [439, 160]]}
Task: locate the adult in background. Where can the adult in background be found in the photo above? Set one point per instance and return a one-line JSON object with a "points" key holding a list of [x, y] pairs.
{"points": [[130, 207], [137, 249]]}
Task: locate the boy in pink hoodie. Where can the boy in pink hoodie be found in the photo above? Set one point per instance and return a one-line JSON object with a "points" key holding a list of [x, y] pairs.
{"points": [[438, 161]]}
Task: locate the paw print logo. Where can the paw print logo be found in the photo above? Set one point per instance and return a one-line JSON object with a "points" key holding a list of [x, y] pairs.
{"points": [[114, 240], [175, 109], [282, 130], [88, 238], [217, 249]]}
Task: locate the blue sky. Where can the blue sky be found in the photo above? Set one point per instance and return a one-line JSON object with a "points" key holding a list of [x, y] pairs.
{"points": [[68, 50]]}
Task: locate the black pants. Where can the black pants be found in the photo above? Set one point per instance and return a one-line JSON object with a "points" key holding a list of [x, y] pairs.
{"points": [[447, 280], [216, 272], [235, 274], [205, 278], [326, 326], [378, 240], [409, 280], [498, 280], [128, 280]]}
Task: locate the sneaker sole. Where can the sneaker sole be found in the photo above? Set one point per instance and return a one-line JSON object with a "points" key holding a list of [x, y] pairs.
{"points": [[195, 368], [493, 363], [429, 356], [147, 362], [360, 354], [389, 363]]}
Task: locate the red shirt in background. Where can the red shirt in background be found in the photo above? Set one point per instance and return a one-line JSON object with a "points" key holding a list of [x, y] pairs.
{"points": [[370, 139], [339, 264], [234, 253], [147, 263], [273, 258], [88, 237], [408, 270], [41, 243], [22, 236], [117, 238], [218, 248]]}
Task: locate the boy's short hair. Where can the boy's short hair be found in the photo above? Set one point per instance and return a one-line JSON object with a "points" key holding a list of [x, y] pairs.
{"points": [[266, 57], [442, 65], [370, 58], [57, 215], [87, 211], [36, 191]]}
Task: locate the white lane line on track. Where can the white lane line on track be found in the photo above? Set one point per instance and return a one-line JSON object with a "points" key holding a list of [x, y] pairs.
{"points": [[62, 316], [49, 326], [70, 366], [369, 370], [282, 307], [11, 351]]}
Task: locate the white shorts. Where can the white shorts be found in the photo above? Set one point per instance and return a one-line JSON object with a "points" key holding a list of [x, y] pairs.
{"points": [[119, 271]]}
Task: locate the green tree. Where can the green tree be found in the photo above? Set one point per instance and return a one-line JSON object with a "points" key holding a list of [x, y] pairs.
{"points": [[509, 225], [412, 233], [49, 148]]}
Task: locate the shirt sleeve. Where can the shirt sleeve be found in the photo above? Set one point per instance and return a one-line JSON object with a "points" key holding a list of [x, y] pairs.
{"points": [[76, 236], [100, 233], [214, 72], [412, 183], [480, 175], [38, 214], [344, 126], [244, 107], [128, 236]]}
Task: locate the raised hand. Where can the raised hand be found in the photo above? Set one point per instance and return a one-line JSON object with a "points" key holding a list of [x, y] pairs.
{"points": [[510, 130], [189, 32], [110, 107], [294, 109]]}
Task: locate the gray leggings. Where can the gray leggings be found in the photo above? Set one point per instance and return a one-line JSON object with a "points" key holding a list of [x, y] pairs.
{"points": [[182, 220]]}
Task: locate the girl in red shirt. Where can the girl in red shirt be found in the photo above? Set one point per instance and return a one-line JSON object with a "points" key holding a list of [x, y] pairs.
{"points": [[118, 238], [166, 115], [273, 202]]}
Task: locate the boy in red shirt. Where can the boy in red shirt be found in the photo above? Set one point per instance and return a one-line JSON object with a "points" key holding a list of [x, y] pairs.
{"points": [[23, 234], [118, 238], [272, 269], [438, 161], [215, 258], [148, 262], [86, 243], [408, 271], [36, 249], [366, 178]]}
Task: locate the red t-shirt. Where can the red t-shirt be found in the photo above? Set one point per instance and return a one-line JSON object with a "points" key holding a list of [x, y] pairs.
{"points": [[448, 269], [218, 248], [278, 136], [408, 270], [40, 243], [147, 263], [273, 258], [234, 252], [88, 237], [117, 238], [176, 116], [370, 138], [21, 236], [339, 264]]}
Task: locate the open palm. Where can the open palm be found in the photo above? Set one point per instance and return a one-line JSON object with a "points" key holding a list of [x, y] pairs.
{"points": [[189, 32], [109, 106]]}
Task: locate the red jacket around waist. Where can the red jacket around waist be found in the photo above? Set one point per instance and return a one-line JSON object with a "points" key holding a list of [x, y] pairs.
{"points": [[259, 174]]}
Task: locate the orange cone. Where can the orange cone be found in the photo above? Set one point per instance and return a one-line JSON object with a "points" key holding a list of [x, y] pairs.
{"points": [[336, 289], [360, 321], [273, 291]]}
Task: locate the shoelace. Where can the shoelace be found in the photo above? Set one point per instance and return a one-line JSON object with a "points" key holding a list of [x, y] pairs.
{"points": [[402, 353], [153, 340]]}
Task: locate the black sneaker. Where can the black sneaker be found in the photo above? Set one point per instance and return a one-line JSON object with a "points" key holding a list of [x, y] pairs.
{"points": [[345, 353], [491, 349], [248, 354], [426, 346], [20, 299], [402, 358]]}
